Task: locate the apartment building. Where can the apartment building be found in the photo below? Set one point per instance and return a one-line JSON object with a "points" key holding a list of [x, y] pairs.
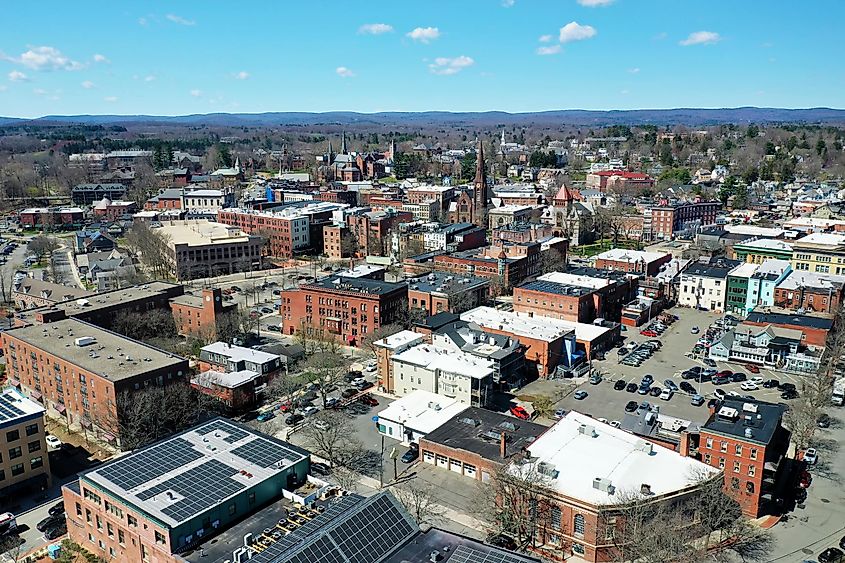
{"points": [[662, 222], [819, 253], [77, 370], [646, 264], [347, 308], [704, 285], [24, 463], [200, 249], [809, 291], [440, 291]]}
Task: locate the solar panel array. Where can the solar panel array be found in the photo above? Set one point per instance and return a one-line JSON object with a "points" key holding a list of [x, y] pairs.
{"points": [[234, 433], [202, 487], [372, 532], [8, 410], [265, 453], [150, 463], [467, 554]]}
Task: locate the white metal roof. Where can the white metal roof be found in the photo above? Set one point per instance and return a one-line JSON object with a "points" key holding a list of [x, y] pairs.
{"points": [[422, 411]]}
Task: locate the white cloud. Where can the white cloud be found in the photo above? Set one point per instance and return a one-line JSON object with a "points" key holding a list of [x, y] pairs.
{"points": [[242, 75], [424, 34], [634, 70], [344, 72], [44, 58], [701, 38], [98, 58], [149, 78], [508, 3], [446, 65], [180, 20], [545, 38], [574, 31], [17, 76], [375, 28], [595, 3], [548, 50], [196, 93], [87, 84], [110, 99]]}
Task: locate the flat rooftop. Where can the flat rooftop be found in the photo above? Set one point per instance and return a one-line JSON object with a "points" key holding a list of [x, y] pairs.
{"points": [[434, 357], [539, 327], [744, 270], [230, 380], [361, 270], [770, 315], [625, 255], [422, 410], [399, 339], [623, 460], [110, 355], [479, 431], [184, 476], [239, 353], [544, 286], [355, 285], [16, 408], [202, 233], [755, 421], [120, 297], [444, 282], [798, 279]]}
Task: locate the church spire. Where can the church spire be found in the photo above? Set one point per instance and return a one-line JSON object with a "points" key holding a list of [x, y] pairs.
{"points": [[343, 143], [481, 201], [480, 174]]}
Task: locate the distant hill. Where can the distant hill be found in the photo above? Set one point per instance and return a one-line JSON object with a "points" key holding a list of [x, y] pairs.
{"points": [[685, 116]]}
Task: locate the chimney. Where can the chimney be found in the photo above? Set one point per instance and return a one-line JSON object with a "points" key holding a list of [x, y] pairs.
{"points": [[503, 445]]}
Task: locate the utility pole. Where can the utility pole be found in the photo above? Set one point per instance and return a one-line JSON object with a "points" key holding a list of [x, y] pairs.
{"points": [[381, 466]]}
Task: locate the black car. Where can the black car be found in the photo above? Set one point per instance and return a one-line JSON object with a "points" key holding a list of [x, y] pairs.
{"points": [[709, 362], [737, 377], [294, 419], [686, 387], [503, 541], [412, 454], [801, 496], [50, 522], [55, 531], [787, 387], [619, 385], [631, 387], [712, 403], [631, 406], [56, 509], [365, 385], [352, 376], [648, 378], [841, 541], [831, 555], [655, 391], [823, 421], [790, 394], [349, 393], [320, 468], [771, 383]]}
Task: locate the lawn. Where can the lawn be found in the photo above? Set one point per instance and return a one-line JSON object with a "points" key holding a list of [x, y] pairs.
{"points": [[603, 245]]}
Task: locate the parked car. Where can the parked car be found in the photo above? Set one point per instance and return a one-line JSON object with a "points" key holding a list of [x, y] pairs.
{"points": [[631, 387], [595, 379], [648, 378], [720, 394], [50, 521], [265, 416], [670, 385], [649, 333], [737, 377], [805, 479], [369, 400], [309, 411], [266, 310], [321, 424], [503, 541], [631, 406], [752, 368], [412, 453], [559, 413], [823, 421], [790, 394], [645, 405], [520, 412], [694, 330], [686, 387], [811, 456], [697, 400], [619, 385], [749, 386], [294, 419], [719, 380], [580, 395], [771, 383], [709, 362], [655, 391], [831, 555], [56, 531], [56, 509], [320, 468], [331, 402], [53, 443], [643, 389], [787, 387]]}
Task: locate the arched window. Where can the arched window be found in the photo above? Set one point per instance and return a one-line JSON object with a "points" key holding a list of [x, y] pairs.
{"points": [[579, 525]]}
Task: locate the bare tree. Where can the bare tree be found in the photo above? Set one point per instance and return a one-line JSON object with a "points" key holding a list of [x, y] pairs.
{"points": [[282, 388], [371, 339], [331, 436], [552, 260], [326, 371], [43, 246], [153, 247], [420, 500]]}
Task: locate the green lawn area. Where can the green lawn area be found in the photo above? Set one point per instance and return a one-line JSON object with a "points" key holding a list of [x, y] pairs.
{"points": [[603, 245]]}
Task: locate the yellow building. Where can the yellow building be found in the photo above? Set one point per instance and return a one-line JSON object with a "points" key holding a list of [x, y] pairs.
{"points": [[24, 464], [822, 253]]}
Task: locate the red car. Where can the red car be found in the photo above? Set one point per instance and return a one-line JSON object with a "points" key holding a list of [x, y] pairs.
{"points": [[649, 333], [724, 373], [805, 479], [369, 400], [285, 407], [752, 368], [520, 412]]}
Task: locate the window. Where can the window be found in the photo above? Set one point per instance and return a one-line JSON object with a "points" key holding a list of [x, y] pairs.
{"points": [[160, 537], [737, 467], [131, 520], [32, 429], [145, 554], [15, 452], [91, 538], [17, 470], [556, 517], [753, 453], [709, 443], [752, 470], [36, 462], [88, 515], [723, 447], [92, 496], [734, 483], [114, 509], [34, 446], [749, 487], [121, 537], [579, 525], [99, 523], [721, 463], [707, 459], [110, 529], [578, 549], [738, 449], [13, 435], [78, 509]]}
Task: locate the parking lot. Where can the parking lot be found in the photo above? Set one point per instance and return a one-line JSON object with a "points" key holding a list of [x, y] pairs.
{"points": [[668, 362]]}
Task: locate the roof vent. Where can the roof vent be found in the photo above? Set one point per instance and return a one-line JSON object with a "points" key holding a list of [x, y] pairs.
{"points": [[547, 469], [645, 489], [749, 433], [587, 430], [604, 485]]}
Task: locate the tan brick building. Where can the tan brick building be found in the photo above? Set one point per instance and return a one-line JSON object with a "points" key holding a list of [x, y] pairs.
{"points": [[24, 463]]}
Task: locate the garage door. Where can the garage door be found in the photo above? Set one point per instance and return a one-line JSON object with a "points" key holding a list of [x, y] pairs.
{"points": [[469, 470], [428, 457], [442, 461], [456, 466]]}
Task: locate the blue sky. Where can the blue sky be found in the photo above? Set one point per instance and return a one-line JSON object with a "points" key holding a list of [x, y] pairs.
{"points": [[173, 58]]}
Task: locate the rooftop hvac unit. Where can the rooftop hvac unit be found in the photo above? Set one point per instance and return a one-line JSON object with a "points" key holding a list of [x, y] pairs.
{"points": [[749, 433], [604, 485], [85, 341], [587, 430], [643, 446], [547, 469]]}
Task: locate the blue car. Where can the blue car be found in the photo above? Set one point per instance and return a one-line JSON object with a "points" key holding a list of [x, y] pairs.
{"points": [[265, 416]]}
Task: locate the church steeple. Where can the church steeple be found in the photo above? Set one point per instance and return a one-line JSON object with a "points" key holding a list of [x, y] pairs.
{"points": [[343, 143], [481, 200]]}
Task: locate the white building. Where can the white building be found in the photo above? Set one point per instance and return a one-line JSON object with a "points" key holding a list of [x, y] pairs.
{"points": [[704, 286], [202, 199], [410, 418], [456, 375]]}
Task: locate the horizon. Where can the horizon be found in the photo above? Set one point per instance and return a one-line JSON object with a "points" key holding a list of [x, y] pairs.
{"points": [[160, 59]]}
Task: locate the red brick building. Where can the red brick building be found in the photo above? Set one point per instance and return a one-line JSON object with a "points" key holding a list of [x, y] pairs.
{"points": [[746, 440], [199, 315], [815, 327], [810, 291], [662, 221], [632, 261], [348, 197], [372, 228], [109, 210], [51, 218], [618, 180], [439, 291], [347, 308], [338, 242], [522, 232], [77, 370]]}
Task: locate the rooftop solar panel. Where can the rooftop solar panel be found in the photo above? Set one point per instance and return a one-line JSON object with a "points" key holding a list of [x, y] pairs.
{"points": [[373, 532], [156, 461], [8, 411], [234, 433], [467, 554], [265, 453]]}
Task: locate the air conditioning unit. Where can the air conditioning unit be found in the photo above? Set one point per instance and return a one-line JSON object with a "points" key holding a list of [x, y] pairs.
{"points": [[587, 430], [603, 484]]}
